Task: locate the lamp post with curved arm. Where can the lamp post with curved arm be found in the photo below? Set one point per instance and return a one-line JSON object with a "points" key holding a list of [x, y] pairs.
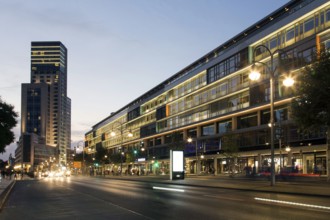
{"points": [[254, 75]]}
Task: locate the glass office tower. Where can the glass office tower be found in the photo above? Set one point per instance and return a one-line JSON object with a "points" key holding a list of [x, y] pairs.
{"points": [[46, 108]]}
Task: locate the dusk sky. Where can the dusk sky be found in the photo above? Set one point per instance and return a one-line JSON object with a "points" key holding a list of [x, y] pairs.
{"points": [[117, 49]]}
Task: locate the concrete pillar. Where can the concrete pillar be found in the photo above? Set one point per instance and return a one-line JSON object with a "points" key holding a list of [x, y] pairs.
{"points": [[215, 165], [234, 123], [198, 167], [259, 159], [185, 135], [199, 131]]}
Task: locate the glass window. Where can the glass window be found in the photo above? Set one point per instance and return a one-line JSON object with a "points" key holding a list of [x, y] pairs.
{"points": [[233, 101], [196, 99], [222, 69], [223, 88], [322, 17], [258, 51], [192, 133], [213, 92], [327, 44], [247, 121], [234, 82], [158, 141], [289, 34], [273, 43], [281, 114], [265, 117], [224, 127], [204, 97], [208, 130], [309, 25], [327, 15]]}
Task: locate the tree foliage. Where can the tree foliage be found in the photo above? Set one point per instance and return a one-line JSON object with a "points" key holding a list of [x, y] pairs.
{"points": [[230, 149], [229, 146], [311, 107], [7, 122], [177, 142]]}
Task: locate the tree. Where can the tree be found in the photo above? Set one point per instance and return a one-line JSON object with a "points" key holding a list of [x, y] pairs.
{"points": [[177, 142], [311, 107], [230, 150], [7, 122]]}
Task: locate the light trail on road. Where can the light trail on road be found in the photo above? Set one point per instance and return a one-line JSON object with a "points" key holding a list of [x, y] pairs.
{"points": [[168, 189], [292, 203]]}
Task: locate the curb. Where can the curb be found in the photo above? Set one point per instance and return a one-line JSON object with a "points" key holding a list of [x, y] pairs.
{"points": [[4, 195]]}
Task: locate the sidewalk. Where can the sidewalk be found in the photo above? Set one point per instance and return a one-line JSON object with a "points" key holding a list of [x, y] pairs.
{"points": [[5, 188]]}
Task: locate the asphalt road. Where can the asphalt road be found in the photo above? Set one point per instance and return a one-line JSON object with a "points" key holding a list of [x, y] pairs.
{"points": [[97, 198]]}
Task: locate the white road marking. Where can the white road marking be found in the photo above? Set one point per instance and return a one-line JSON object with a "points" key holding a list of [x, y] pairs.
{"points": [[292, 203], [168, 189]]}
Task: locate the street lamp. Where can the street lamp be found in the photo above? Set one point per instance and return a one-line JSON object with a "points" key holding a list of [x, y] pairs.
{"points": [[255, 75], [121, 129], [190, 140]]}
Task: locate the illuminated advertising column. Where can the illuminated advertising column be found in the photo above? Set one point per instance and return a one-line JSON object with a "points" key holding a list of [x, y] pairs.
{"points": [[176, 165]]}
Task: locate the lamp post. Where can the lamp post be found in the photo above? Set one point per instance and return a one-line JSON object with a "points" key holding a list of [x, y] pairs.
{"points": [[254, 75], [121, 129], [190, 140]]}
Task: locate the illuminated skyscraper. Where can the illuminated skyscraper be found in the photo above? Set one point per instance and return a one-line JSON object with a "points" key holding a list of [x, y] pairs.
{"points": [[46, 109]]}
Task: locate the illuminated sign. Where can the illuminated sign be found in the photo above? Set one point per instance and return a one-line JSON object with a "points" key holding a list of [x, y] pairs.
{"points": [[178, 161], [176, 164], [77, 164]]}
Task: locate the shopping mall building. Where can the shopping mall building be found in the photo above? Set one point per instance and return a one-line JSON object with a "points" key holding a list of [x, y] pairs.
{"points": [[213, 103]]}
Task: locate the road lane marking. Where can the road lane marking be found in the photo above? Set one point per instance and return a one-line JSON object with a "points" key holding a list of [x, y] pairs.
{"points": [[168, 189], [292, 203]]}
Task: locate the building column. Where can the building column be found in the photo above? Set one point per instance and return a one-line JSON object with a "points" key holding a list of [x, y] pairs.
{"points": [[199, 131], [234, 123], [162, 138], [185, 135], [215, 163], [198, 167], [259, 159], [258, 118]]}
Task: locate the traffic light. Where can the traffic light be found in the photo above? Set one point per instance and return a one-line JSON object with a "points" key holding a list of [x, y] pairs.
{"points": [[135, 151]]}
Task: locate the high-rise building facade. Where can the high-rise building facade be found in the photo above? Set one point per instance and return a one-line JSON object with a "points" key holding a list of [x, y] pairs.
{"points": [[46, 108], [213, 100]]}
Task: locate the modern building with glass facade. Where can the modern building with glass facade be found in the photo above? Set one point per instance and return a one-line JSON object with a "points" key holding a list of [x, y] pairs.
{"points": [[46, 109], [213, 102]]}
